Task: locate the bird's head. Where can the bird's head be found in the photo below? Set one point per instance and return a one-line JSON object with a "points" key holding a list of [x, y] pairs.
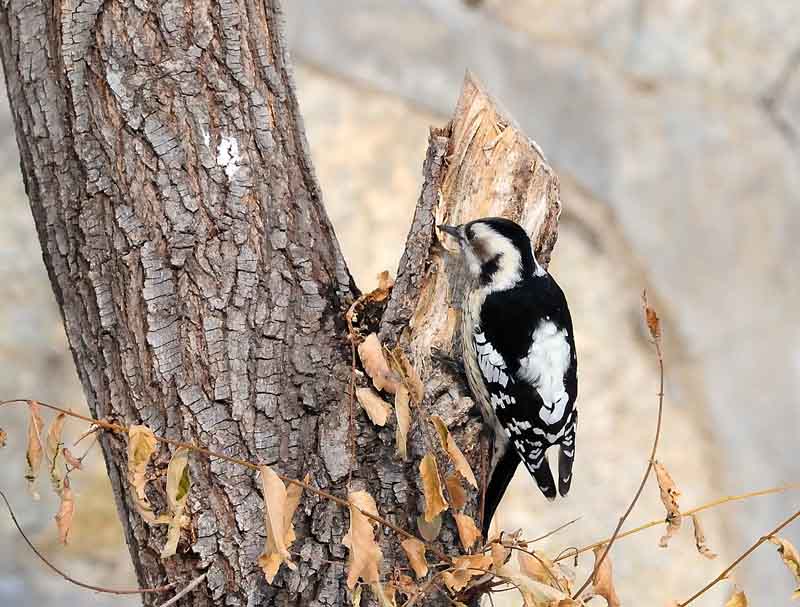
{"points": [[497, 251]]}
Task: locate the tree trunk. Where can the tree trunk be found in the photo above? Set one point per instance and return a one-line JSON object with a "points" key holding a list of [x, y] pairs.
{"points": [[202, 288]]}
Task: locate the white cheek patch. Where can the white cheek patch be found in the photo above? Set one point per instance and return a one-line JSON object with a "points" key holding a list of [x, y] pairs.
{"points": [[544, 368], [509, 265]]}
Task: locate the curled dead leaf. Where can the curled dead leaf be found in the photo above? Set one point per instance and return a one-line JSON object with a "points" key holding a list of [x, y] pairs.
{"points": [[431, 487], [275, 552], [500, 554], [66, 512], [403, 413], [468, 531], [429, 530], [73, 461], [700, 539], [407, 586], [376, 408], [3, 438], [454, 453], [738, 599], [534, 594], [35, 451], [294, 493], [791, 558], [141, 446], [415, 551], [653, 322], [455, 491], [365, 556], [52, 450], [543, 570], [602, 581], [669, 497], [464, 569], [178, 485], [372, 357]]}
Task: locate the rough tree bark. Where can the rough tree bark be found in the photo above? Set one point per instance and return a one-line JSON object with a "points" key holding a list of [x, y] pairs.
{"points": [[202, 288]]}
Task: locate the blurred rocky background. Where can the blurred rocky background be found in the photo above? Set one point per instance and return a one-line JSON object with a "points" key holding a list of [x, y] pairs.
{"points": [[674, 128]]}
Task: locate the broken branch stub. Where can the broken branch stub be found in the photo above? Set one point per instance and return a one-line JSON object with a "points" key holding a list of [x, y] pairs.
{"points": [[479, 165]]}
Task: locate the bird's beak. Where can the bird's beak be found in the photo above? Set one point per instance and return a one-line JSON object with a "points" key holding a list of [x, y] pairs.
{"points": [[452, 230]]}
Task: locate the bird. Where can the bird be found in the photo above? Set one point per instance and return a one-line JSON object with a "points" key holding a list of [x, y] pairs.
{"points": [[518, 353]]}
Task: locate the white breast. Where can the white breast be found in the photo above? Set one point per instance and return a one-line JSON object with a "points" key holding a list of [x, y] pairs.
{"points": [[544, 368]]}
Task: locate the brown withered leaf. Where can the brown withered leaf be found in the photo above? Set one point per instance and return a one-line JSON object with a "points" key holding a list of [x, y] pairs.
{"points": [[407, 586], [3, 438], [453, 452], [669, 497], [408, 374], [275, 552], [738, 599], [365, 557], [700, 539], [534, 594], [431, 487], [500, 554], [178, 485], [371, 353], [464, 569], [403, 413], [468, 531], [603, 581], [377, 409], [385, 593], [455, 491], [52, 450], [66, 511], [791, 557], [653, 322], [294, 493], [73, 461], [429, 530], [543, 570], [141, 446], [35, 451], [415, 551]]}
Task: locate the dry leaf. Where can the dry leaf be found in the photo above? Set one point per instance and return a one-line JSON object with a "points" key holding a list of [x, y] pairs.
{"points": [[3, 438], [52, 450], [293, 494], [449, 445], [791, 557], [371, 353], [385, 284], [534, 594], [653, 322], [458, 497], [73, 461], [384, 594], [178, 484], [499, 554], [403, 367], [364, 560], [403, 413], [468, 531], [406, 585], [669, 497], [542, 569], [66, 510], [429, 530], [700, 539], [276, 552], [357, 596], [464, 569], [415, 551], [377, 409], [738, 599], [33, 456], [431, 487], [141, 446], [603, 582]]}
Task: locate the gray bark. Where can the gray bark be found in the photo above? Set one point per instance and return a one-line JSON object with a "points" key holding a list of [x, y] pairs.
{"points": [[202, 288]]}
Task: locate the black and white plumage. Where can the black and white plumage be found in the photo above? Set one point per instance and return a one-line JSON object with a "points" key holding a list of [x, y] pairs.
{"points": [[519, 356]]}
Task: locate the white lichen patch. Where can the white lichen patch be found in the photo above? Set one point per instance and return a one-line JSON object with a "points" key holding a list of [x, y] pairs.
{"points": [[228, 156]]}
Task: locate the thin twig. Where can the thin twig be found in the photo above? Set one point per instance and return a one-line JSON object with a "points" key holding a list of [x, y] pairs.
{"points": [[191, 586], [695, 510], [192, 447], [742, 557], [554, 531], [656, 334], [67, 577]]}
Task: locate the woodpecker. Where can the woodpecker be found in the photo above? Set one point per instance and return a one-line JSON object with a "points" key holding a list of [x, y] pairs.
{"points": [[519, 356]]}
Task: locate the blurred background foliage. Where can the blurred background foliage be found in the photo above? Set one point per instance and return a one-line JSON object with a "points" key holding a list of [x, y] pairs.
{"points": [[673, 126]]}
